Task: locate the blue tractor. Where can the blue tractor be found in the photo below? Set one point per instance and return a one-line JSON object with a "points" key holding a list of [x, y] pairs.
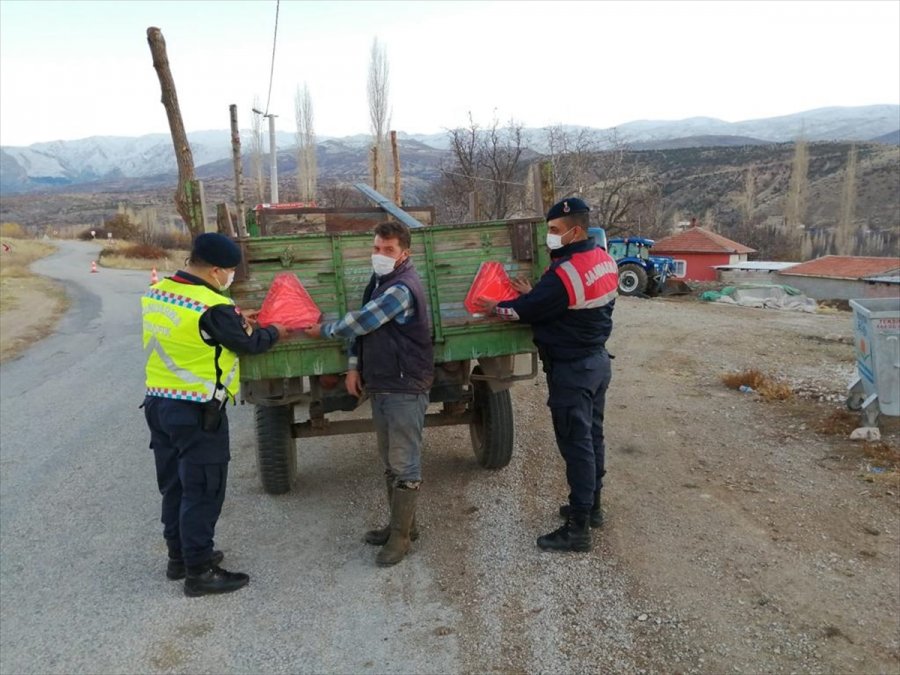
{"points": [[639, 272]]}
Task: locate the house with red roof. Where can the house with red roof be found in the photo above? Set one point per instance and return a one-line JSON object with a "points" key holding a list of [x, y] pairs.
{"points": [[844, 277], [699, 251]]}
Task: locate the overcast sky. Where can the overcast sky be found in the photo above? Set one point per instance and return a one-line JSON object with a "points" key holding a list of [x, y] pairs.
{"points": [[75, 69]]}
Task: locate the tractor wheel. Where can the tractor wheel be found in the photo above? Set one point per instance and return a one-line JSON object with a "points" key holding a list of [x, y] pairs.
{"points": [[276, 455], [632, 279], [492, 430]]}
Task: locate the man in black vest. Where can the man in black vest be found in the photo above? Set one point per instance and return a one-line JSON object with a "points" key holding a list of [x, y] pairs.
{"points": [[391, 356]]}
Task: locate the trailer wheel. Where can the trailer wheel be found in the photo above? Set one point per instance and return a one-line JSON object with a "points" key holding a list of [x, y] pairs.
{"points": [[492, 428], [276, 455], [632, 279]]}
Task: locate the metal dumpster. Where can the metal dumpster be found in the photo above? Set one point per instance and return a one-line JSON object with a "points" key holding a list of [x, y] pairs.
{"points": [[876, 324]]}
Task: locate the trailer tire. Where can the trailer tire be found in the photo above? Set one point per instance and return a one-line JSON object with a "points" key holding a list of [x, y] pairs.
{"points": [[276, 455], [632, 279], [492, 429]]}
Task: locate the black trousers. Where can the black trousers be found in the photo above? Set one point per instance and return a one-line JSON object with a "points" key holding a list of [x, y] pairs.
{"points": [[577, 399], [191, 472]]}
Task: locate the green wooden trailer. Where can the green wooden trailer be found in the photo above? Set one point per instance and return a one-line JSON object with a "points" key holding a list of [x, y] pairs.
{"points": [[475, 357]]}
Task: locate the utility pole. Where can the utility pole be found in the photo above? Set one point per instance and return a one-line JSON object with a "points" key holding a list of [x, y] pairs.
{"points": [[273, 171], [238, 170]]}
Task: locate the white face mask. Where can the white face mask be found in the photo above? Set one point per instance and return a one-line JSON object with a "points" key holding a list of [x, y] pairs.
{"points": [[227, 284], [382, 264], [554, 241]]}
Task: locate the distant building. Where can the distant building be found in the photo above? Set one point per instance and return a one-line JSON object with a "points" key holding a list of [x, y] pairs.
{"points": [[844, 277], [751, 271], [701, 251]]}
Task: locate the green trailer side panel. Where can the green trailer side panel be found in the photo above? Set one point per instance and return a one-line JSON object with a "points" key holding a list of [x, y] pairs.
{"points": [[335, 268]]}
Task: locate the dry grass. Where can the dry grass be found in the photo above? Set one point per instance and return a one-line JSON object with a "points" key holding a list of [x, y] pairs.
{"points": [[14, 267], [883, 455], [768, 387], [839, 423], [29, 304], [173, 260]]}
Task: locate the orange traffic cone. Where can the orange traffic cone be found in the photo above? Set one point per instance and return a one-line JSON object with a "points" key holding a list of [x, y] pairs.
{"points": [[93, 267], [153, 277]]}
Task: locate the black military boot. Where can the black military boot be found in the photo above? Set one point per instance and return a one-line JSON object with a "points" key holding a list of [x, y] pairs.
{"points": [[380, 536], [575, 535], [175, 568], [209, 579], [596, 511]]}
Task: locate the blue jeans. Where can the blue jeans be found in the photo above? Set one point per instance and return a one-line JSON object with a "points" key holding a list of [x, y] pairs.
{"points": [[399, 420]]}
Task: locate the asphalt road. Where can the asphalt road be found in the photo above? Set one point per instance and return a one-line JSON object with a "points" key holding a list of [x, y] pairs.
{"points": [[82, 584]]}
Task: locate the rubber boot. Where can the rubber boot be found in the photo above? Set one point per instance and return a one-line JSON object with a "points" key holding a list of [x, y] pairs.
{"points": [[575, 535], [596, 515], [403, 512], [380, 536]]}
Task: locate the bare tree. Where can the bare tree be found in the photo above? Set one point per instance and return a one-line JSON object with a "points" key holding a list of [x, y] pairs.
{"points": [[307, 171], [502, 152], [338, 195], [256, 154], [379, 110], [748, 201], [795, 207], [619, 186], [623, 195], [571, 152], [844, 239], [486, 169]]}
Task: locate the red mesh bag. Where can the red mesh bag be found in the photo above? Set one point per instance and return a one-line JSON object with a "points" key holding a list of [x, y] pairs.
{"points": [[289, 304], [491, 282]]}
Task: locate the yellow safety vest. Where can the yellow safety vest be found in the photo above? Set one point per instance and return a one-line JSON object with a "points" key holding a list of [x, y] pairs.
{"points": [[180, 364]]}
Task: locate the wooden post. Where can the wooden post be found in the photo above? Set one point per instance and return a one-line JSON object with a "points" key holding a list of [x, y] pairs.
{"points": [[544, 189], [223, 219], [194, 193], [395, 152], [238, 172], [183, 155], [375, 167], [474, 207]]}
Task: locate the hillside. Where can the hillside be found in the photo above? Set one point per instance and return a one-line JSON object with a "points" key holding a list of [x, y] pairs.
{"points": [[704, 182], [108, 159]]}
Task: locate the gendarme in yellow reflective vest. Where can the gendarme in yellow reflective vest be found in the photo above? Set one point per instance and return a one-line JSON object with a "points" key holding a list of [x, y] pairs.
{"points": [[180, 364]]}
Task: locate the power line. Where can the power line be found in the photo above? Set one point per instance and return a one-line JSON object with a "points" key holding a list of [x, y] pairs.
{"points": [[494, 180], [274, 42], [482, 178]]}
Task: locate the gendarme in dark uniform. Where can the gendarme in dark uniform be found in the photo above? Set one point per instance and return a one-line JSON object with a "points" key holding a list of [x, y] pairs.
{"points": [[192, 337], [570, 312]]}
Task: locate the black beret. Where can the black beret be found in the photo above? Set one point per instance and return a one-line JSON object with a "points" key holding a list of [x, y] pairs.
{"points": [[567, 207], [217, 250]]}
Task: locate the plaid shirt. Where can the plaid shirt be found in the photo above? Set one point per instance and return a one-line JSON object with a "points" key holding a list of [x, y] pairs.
{"points": [[395, 303]]}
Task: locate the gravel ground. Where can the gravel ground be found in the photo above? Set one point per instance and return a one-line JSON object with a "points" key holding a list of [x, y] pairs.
{"points": [[741, 536]]}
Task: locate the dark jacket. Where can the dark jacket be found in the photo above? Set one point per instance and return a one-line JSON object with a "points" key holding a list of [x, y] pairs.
{"points": [[398, 358], [559, 332]]}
